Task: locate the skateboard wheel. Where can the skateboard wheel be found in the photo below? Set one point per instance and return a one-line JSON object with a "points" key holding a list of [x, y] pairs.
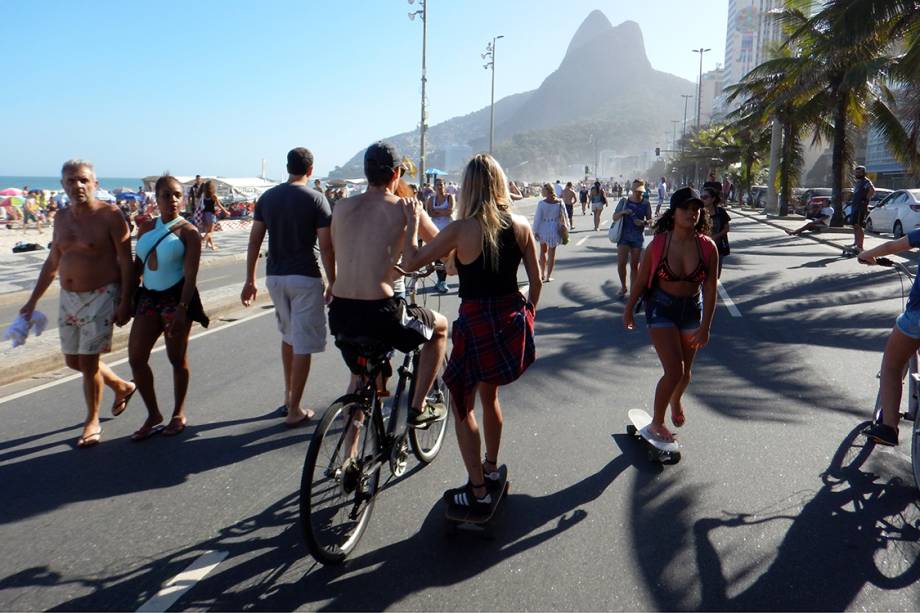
{"points": [[631, 430]]}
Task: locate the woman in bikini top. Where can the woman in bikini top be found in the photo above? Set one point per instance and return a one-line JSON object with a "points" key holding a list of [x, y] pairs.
{"points": [[667, 274]]}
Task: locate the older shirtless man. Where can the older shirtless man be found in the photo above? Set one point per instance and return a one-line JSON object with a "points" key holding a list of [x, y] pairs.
{"points": [[91, 249], [367, 238]]}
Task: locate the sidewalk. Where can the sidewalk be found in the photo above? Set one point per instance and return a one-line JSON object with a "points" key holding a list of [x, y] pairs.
{"points": [[18, 271], [834, 237]]}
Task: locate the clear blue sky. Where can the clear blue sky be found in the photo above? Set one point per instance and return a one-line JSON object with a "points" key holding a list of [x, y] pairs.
{"points": [[214, 86]]}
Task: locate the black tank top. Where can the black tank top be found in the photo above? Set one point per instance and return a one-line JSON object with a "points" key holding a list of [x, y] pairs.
{"points": [[478, 280]]}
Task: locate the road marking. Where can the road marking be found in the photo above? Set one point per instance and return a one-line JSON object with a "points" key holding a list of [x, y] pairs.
{"points": [[184, 581], [581, 242], [728, 301], [73, 377], [214, 278]]}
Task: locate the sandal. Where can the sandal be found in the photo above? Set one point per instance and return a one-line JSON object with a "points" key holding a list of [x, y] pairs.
{"points": [[678, 418], [119, 406], [90, 440], [176, 426]]}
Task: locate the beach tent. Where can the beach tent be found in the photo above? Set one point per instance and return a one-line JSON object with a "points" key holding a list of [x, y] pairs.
{"points": [[104, 195]]}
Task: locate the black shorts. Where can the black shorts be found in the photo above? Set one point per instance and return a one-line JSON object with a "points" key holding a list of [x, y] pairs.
{"points": [[391, 320], [859, 215]]}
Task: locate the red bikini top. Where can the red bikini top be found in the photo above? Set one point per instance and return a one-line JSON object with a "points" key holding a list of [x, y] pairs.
{"points": [[662, 270]]}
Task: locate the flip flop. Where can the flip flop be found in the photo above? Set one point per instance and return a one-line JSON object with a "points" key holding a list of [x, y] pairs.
{"points": [[142, 435], [176, 426], [119, 406], [678, 419], [90, 440], [303, 421]]}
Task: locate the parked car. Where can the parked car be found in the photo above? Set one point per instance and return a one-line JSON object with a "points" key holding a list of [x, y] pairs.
{"points": [[758, 196], [877, 197], [801, 203], [898, 213], [819, 199]]}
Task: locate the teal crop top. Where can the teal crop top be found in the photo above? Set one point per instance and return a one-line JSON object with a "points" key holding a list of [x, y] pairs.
{"points": [[170, 256]]}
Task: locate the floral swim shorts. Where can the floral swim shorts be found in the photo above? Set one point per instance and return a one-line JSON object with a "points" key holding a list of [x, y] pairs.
{"points": [[86, 320]]}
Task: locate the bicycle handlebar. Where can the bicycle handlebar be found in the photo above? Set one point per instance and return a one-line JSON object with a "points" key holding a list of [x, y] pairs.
{"points": [[421, 273], [889, 263]]}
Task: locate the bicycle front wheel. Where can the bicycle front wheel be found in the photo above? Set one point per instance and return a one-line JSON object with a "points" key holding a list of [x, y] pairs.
{"points": [[339, 482], [427, 441]]}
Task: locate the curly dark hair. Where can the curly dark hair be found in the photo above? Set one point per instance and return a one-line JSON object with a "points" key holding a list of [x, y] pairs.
{"points": [[665, 223], [716, 195]]}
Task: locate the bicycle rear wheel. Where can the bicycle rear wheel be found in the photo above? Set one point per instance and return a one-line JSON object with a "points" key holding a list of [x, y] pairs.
{"points": [[427, 441], [339, 482]]}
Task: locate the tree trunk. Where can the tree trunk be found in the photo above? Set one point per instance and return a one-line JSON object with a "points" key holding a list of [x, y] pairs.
{"points": [[786, 168], [838, 155]]}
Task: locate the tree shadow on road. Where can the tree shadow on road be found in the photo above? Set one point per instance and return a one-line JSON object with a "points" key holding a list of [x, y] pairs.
{"points": [[49, 481]]}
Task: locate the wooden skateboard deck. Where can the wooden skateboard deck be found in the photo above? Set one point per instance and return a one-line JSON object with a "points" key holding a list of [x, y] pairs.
{"points": [[659, 450], [479, 522]]}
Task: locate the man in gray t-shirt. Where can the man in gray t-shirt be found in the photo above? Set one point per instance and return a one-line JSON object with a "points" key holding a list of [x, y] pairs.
{"points": [[296, 218]]}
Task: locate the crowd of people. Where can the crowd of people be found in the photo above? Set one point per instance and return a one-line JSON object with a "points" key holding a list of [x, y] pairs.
{"points": [[338, 265]]}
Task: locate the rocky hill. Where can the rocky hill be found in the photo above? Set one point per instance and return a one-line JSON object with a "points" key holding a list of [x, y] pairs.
{"points": [[605, 90]]}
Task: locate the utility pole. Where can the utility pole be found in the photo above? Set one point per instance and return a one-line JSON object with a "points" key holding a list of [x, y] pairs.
{"points": [[686, 98], [699, 91], [423, 13], [490, 55]]}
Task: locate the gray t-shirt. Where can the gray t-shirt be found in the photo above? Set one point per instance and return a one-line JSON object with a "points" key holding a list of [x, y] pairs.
{"points": [[292, 214]]}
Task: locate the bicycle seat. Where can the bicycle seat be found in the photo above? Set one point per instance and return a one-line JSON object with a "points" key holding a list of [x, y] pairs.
{"points": [[372, 349]]}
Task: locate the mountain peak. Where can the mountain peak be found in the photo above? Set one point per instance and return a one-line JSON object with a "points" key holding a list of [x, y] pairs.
{"points": [[595, 23]]}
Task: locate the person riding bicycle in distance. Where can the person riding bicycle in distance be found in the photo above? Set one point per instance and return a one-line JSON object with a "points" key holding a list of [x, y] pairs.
{"points": [[368, 231], [903, 342]]}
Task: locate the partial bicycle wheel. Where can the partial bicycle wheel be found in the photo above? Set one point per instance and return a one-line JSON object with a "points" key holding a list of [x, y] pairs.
{"points": [[915, 451], [427, 441], [339, 482]]}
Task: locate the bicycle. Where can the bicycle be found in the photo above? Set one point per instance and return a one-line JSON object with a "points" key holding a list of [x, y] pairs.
{"points": [[912, 374], [357, 435]]}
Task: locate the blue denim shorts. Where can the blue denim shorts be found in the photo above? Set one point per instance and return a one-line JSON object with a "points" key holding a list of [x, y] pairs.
{"points": [[663, 310], [908, 322], [631, 243]]}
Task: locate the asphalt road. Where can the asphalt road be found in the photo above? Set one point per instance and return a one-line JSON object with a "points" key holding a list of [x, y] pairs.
{"points": [[775, 505]]}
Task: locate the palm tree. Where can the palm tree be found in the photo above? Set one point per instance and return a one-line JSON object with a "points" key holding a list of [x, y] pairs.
{"points": [[842, 61]]}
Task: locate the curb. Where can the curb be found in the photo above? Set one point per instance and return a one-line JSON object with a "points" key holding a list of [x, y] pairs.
{"points": [[219, 302], [814, 237]]}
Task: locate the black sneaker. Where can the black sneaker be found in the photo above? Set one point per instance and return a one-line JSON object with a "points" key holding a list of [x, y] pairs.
{"points": [[462, 501], [882, 434], [431, 413]]}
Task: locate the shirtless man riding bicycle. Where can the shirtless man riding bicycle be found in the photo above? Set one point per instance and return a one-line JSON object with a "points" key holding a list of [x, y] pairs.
{"points": [[368, 231]]}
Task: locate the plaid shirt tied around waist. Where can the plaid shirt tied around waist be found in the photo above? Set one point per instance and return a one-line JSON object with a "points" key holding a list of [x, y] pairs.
{"points": [[493, 342]]}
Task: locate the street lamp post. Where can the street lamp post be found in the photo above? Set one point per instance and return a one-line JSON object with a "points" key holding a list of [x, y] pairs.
{"points": [[699, 91], [674, 123], [423, 13], [490, 56], [686, 98]]}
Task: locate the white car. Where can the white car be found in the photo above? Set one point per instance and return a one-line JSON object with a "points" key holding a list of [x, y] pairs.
{"points": [[899, 213]]}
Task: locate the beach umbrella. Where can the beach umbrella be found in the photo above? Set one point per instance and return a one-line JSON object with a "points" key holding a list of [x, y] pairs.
{"points": [[104, 195], [130, 196], [61, 198], [10, 191], [16, 201], [435, 171]]}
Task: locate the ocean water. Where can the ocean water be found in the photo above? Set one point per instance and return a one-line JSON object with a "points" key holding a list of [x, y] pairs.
{"points": [[54, 183]]}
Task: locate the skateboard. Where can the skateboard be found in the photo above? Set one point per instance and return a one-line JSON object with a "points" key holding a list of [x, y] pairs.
{"points": [[481, 523], [657, 450]]}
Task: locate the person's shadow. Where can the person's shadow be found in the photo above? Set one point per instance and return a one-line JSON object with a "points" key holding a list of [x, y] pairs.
{"points": [[377, 579], [857, 530]]}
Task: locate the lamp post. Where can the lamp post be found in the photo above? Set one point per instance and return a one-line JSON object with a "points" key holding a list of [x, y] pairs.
{"points": [[423, 13], [699, 91], [490, 56], [674, 123], [686, 98]]}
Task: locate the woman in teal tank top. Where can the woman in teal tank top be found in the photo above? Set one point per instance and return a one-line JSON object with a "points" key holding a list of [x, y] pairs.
{"points": [[167, 302]]}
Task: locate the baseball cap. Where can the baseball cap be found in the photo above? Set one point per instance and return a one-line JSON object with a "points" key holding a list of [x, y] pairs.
{"points": [[684, 197], [640, 184], [382, 156]]}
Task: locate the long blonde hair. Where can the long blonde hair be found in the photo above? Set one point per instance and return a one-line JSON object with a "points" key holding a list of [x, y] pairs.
{"points": [[484, 197]]}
